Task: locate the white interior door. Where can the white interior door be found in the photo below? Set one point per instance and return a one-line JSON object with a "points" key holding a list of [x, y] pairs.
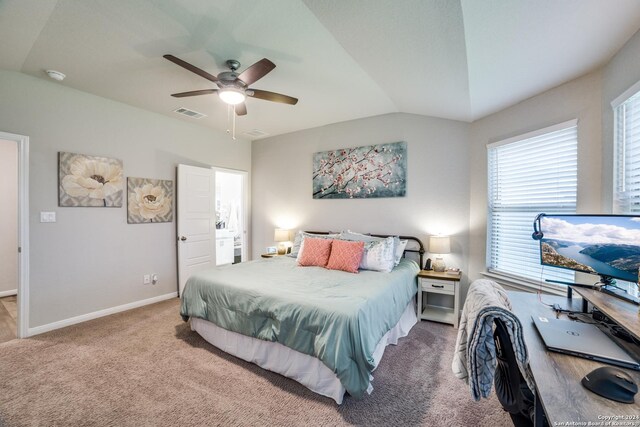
{"points": [[196, 221]]}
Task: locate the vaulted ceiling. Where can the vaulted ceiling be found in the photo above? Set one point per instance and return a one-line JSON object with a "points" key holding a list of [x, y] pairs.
{"points": [[344, 59]]}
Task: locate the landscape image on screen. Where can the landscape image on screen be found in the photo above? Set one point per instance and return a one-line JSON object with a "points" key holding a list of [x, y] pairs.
{"points": [[605, 245]]}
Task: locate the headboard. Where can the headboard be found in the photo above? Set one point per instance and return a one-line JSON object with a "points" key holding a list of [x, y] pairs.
{"points": [[416, 245]]}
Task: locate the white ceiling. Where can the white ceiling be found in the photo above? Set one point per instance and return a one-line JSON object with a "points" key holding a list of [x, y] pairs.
{"points": [[344, 59]]}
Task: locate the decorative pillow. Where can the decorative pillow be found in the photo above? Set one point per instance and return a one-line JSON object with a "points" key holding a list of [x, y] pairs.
{"points": [[359, 237], [345, 256], [379, 256], [397, 248], [297, 241], [315, 252], [400, 246]]}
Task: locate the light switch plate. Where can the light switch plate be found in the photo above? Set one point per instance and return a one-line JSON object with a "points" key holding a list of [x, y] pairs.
{"points": [[47, 217]]}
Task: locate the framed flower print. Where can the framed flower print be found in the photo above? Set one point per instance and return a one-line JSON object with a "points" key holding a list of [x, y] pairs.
{"points": [[89, 181], [149, 200]]}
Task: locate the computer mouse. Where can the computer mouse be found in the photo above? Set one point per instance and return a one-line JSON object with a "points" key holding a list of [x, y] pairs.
{"points": [[611, 383]]}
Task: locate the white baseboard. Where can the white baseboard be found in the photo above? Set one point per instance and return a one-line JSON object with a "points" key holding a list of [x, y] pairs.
{"points": [[97, 314], [8, 293]]}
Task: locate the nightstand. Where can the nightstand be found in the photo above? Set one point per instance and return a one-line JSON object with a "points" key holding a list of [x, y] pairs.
{"points": [[270, 255], [439, 297]]}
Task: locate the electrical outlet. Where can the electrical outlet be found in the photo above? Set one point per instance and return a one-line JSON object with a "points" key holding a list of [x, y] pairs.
{"points": [[154, 279], [146, 279]]}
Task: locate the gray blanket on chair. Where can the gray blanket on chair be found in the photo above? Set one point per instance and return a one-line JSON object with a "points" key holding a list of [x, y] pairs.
{"points": [[475, 357]]}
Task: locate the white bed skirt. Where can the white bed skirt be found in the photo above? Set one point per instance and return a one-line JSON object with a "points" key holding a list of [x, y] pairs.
{"points": [[307, 370]]}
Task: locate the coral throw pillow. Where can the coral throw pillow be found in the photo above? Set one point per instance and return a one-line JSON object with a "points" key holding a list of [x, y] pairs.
{"points": [[315, 252], [345, 255]]}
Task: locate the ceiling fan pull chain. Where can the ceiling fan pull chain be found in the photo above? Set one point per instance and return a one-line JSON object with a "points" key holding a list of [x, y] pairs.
{"points": [[228, 117], [234, 123]]}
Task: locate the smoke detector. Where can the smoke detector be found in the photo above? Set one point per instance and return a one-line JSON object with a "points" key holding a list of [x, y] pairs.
{"points": [[56, 75]]}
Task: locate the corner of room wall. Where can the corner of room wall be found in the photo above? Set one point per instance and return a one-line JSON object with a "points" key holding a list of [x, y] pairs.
{"points": [[580, 98], [619, 74], [90, 260], [437, 197]]}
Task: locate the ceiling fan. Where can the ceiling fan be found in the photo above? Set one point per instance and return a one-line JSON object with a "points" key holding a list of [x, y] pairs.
{"points": [[233, 88]]}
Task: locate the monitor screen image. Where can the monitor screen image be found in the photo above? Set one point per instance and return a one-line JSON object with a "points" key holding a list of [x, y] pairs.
{"points": [[607, 245]]}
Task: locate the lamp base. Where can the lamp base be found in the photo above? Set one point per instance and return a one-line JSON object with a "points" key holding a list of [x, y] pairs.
{"points": [[439, 265], [282, 249]]}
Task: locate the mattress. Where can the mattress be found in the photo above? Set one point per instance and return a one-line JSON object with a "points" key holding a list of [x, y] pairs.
{"points": [[336, 317], [307, 370]]}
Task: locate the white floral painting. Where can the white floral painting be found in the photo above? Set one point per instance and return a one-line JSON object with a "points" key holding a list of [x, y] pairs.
{"points": [[149, 200], [361, 172], [89, 181]]}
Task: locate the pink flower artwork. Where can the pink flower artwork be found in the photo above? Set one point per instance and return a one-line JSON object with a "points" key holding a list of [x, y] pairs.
{"points": [[361, 172]]}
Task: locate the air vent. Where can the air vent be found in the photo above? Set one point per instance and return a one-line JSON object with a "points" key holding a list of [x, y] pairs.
{"points": [[256, 133], [189, 113]]}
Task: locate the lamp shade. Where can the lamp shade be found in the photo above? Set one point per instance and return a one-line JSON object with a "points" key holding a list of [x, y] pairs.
{"points": [[439, 244], [281, 235]]}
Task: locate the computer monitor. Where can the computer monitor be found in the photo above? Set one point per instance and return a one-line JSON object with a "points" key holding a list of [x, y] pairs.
{"points": [[606, 245]]}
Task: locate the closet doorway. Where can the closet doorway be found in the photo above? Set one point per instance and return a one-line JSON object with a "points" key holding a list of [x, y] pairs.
{"points": [[14, 232]]}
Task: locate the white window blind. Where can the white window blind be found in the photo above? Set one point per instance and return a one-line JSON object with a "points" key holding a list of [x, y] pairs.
{"points": [[627, 162], [627, 156], [532, 174]]}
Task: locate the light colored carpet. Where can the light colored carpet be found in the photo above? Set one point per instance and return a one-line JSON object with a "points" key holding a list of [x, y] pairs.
{"points": [[145, 367], [8, 313]]}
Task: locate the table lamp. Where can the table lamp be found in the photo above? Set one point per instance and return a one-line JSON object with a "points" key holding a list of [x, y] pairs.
{"points": [[282, 237], [439, 245]]}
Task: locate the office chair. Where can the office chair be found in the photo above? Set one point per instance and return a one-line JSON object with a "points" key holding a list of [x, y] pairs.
{"points": [[511, 389]]}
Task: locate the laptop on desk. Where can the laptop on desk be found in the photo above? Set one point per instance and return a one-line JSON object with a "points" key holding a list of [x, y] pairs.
{"points": [[582, 340]]}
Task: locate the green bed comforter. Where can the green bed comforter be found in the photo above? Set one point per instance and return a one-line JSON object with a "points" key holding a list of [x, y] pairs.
{"points": [[335, 316]]}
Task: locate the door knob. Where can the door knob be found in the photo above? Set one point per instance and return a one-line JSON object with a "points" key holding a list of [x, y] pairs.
{"points": [[183, 238]]}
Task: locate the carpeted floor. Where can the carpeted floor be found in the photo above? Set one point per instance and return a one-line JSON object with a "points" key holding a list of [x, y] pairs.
{"points": [[145, 367]]}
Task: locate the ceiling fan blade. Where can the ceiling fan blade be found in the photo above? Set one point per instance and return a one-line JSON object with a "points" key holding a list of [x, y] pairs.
{"points": [[256, 71], [191, 68], [272, 96], [241, 109], [194, 93]]}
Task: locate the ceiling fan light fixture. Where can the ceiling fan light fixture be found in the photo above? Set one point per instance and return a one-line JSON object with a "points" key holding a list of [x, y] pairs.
{"points": [[231, 96]]}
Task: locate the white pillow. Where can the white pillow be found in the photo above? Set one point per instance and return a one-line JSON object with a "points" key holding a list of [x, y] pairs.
{"points": [[379, 255], [400, 247], [300, 235]]}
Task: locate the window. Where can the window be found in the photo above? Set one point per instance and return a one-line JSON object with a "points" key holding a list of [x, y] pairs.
{"points": [[627, 156], [530, 174], [626, 195]]}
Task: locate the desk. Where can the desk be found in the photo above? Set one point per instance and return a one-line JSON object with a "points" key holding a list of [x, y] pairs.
{"points": [[557, 376]]}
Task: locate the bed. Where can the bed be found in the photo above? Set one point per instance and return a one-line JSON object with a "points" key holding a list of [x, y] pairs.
{"points": [[326, 329]]}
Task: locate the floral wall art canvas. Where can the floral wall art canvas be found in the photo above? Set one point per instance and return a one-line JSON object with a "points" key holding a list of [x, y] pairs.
{"points": [[89, 181], [361, 172], [149, 200]]}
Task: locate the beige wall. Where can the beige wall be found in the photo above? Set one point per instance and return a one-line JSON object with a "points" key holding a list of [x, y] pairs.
{"points": [[437, 197], [91, 259], [588, 99], [622, 72], [8, 216], [581, 99]]}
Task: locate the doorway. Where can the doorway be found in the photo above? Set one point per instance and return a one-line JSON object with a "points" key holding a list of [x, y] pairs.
{"points": [[9, 241], [14, 226], [212, 219], [231, 218]]}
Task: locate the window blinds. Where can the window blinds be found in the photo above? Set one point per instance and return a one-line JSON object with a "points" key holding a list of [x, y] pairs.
{"points": [[528, 175], [627, 156]]}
